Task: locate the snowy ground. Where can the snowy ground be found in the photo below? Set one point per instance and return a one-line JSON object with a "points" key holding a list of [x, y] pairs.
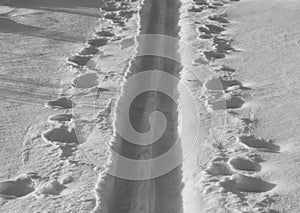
{"points": [[71, 78]]}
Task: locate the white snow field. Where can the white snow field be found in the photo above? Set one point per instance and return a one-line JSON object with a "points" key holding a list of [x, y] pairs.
{"points": [[150, 106]]}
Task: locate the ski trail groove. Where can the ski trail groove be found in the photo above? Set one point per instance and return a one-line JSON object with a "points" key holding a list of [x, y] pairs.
{"points": [[161, 194]]}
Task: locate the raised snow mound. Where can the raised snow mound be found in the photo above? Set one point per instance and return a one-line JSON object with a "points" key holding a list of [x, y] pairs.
{"points": [[218, 168], [51, 188]]}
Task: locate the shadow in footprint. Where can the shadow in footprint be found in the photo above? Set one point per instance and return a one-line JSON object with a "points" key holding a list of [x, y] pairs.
{"points": [[226, 69], [212, 55], [61, 134], [243, 183], [78, 60], [214, 29], [87, 51], [126, 14], [221, 84], [112, 16], [204, 30], [195, 9], [206, 36], [104, 33], [60, 103], [201, 2], [247, 121], [66, 150], [208, 30], [259, 143], [219, 18], [111, 7], [211, 6], [222, 45], [218, 4], [97, 42], [19, 187], [244, 164], [233, 102], [60, 118]]}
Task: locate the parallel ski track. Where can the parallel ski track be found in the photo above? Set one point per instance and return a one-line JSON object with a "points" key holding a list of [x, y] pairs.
{"points": [[161, 194]]}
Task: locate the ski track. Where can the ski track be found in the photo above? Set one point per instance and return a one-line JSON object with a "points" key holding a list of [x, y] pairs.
{"points": [[161, 194]]}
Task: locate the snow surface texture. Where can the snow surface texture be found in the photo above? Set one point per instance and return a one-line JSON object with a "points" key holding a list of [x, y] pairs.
{"points": [[239, 61]]}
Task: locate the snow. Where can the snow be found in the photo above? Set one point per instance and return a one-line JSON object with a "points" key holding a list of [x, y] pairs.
{"points": [[227, 140]]}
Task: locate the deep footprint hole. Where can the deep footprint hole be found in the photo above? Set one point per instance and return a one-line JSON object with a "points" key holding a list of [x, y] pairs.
{"points": [[60, 117], [244, 164], [97, 42], [259, 143], [243, 183], [19, 187], [79, 60], [213, 55], [61, 134], [88, 51], [61, 103], [233, 102], [221, 84]]}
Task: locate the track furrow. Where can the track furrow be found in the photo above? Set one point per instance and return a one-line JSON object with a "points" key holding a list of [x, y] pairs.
{"points": [[161, 194]]}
